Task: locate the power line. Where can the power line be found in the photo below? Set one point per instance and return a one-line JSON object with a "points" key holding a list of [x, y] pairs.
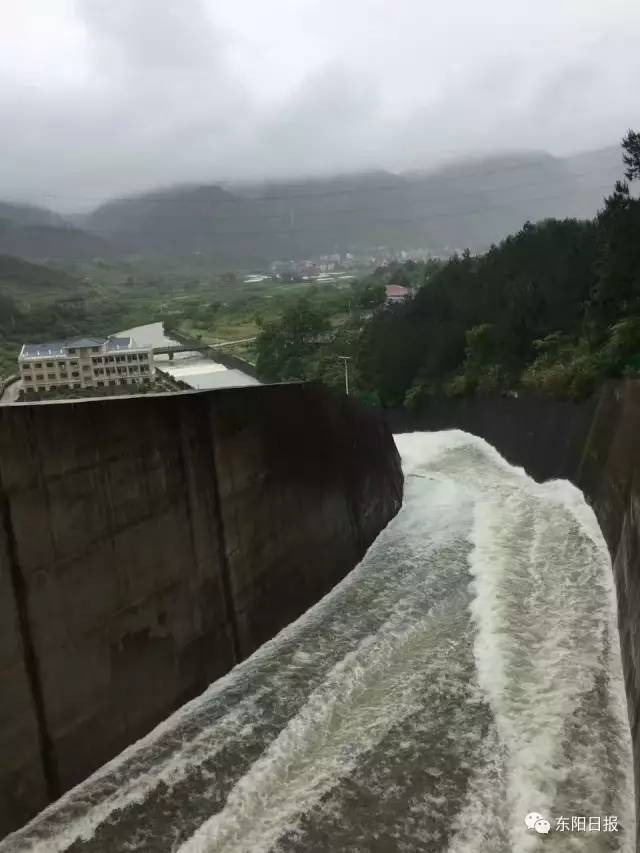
{"points": [[430, 198], [408, 220], [289, 230], [405, 181], [423, 219]]}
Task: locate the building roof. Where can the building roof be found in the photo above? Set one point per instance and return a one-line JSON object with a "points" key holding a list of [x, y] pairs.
{"points": [[83, 342], [119, 343], [396, 290], [42, 350], [59, 348]]}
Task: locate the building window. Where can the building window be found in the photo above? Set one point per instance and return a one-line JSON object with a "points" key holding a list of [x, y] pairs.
{"points": [[100, 383], [51, 376], [132, 357], [71, 351], [50, 364], [109, 359], [39, 377], [27, 377], [62, 365], [74, 363], [63, 375], [120, 358], [97, 360], [75, 374], [85, 368], [38, 364], [144, 357]]}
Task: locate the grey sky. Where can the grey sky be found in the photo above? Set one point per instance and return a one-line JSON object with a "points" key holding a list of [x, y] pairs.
{"points": [[102, 97]]}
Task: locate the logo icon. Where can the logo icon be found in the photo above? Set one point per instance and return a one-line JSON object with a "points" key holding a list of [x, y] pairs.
{"points": [[536, 821]]}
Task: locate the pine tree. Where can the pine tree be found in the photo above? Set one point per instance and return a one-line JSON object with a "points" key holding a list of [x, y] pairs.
{"points": [[631, 156]]}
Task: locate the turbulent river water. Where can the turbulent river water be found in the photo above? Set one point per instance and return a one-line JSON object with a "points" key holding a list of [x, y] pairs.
{"points": [[465, 674]]}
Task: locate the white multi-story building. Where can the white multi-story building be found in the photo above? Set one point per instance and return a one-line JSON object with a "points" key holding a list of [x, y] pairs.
{"points": [[85, 363]]}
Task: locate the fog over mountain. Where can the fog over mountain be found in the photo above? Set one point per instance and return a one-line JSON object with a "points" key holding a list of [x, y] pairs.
{"points": [[104, 98], [467, 204]]}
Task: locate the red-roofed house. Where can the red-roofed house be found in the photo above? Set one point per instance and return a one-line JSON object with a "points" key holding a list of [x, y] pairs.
{"points": [[396, 293]]}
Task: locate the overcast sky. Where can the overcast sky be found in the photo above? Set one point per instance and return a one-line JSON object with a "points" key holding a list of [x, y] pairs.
{"points": [[103, 97]]}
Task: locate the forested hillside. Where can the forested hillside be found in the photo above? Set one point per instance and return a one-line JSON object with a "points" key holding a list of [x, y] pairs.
{"points": [[555, 307], [20, 279], [467, 203], [36, 233]]}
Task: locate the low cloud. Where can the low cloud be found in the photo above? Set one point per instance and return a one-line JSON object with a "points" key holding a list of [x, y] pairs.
{"points": [[112, 96]]}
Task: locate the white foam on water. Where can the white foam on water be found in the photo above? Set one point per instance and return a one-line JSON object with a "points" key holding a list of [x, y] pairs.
{"points": [[532, 607], [168, 754], [545, 613], [369, 692]]}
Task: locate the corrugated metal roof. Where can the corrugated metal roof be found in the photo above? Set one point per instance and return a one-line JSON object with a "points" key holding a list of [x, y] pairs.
{"points": [[79, 343], [59, 348], [43, 350], [119, 343]]}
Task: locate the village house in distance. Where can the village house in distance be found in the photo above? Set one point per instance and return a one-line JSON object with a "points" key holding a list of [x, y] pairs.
{"points": [[396, 294], [85, 363]]}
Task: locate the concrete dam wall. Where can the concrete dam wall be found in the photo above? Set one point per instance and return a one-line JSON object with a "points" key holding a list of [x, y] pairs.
{"points": [[147, 544], [596, 445]]}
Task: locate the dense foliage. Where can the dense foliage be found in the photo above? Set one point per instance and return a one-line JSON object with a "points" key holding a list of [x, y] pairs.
{"points": [[309, 338], [478, 321], [40, 303], [554, 308]]}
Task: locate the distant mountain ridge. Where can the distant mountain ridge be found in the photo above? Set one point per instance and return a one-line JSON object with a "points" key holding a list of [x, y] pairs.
{"points": [[21, 279], [468, 203], [35, 233], [28, 214]]}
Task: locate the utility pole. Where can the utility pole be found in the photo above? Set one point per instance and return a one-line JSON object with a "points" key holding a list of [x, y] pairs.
{"points": [[346, 359]]}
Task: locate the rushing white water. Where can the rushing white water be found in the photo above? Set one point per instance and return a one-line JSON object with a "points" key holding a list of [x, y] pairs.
{"points": [[466, 673]]}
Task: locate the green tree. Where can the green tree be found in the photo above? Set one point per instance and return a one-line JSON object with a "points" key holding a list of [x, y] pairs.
{"points": [[482, 346], [371, 295], [631, 156], [284, 347], [621, 352], [617, 289]]}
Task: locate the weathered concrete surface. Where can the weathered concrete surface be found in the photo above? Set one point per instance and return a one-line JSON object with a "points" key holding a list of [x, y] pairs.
{"points": [[112, 508], [154, 542], [305, 487], [22, 782], [596, 445], [609, 475]]}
